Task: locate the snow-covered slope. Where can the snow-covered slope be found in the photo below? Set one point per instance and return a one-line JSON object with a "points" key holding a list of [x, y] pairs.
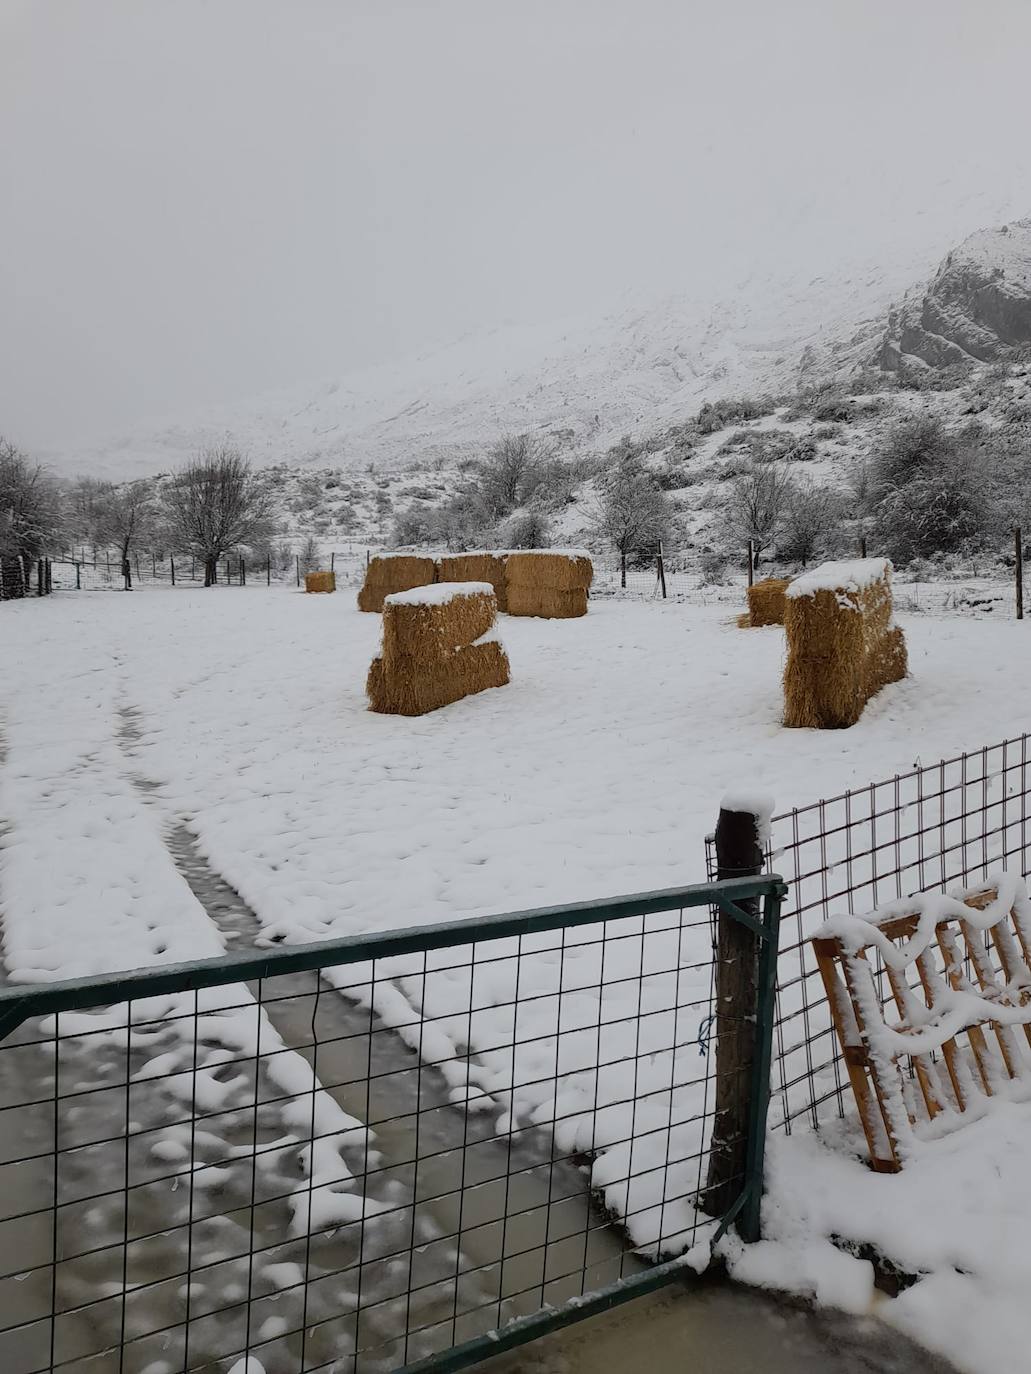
{"points": [[594, 379]]}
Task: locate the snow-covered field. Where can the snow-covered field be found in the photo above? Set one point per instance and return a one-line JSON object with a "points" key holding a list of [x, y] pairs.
{"points": [[597, 772]]}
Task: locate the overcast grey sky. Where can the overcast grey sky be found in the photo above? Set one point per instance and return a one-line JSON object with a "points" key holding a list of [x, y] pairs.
{"points": [[204, 199]]}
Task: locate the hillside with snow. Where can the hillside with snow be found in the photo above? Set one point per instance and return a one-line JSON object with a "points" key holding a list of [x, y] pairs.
{"points": [[584, 381]]}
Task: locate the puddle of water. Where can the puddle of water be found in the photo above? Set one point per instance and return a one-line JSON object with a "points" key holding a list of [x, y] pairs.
{"points": [[720, 1329]]}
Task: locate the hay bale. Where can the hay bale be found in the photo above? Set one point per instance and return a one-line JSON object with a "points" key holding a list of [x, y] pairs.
{"points": [[766, 601], [320, 582], [552, 583], [842, 644], [547, 603], [437, 648], [388, 573], [427, 624], [743, 621], [479, 566]]}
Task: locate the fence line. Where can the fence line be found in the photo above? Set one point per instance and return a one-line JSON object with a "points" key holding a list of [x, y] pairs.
{"points": [[936, 826]]}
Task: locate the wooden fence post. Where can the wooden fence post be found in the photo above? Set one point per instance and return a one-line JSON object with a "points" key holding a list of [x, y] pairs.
{"points": [[333, 561], [268, 570], [297, 569], [171, 562], [39, 577], [78, 577], [662, 572], [243, 571], [1019, 541], [751, 562], [862, 547], [739, 854], [49, 566]]}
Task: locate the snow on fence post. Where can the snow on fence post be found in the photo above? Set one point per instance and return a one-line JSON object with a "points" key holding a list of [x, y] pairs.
{"points": [[1019, 571], [740, 833]]}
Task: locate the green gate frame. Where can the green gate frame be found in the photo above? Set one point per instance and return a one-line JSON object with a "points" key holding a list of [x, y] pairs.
{"points": [[18, 1003]]}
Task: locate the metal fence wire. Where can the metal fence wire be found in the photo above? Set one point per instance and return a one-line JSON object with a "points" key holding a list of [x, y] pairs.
{"points": [[938, 826], [363, 1155]]}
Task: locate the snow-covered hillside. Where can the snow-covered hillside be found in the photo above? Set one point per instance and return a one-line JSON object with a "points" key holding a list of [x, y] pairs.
{"points": [[587, 381]]}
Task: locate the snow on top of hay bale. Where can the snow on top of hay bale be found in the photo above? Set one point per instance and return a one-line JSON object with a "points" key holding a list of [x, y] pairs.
{"points": [[438, 594], [854, 575], [401, 553]]}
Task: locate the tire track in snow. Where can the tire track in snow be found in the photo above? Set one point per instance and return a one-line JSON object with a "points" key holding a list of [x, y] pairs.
{"points": [[343, 1032]]}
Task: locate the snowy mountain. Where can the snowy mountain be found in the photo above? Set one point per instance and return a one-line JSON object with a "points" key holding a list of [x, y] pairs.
{"points": [[585, 381]]}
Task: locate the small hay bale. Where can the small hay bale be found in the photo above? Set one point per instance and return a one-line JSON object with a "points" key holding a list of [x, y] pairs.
{"points": [[766, 601], [437, 648], [480, 566], [744, 620], [842, 644], [552, 583], [320, 582], [388, 573]]}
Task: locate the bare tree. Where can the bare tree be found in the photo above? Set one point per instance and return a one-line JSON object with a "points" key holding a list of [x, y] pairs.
{"points": [[511, 473], [310, 556], [30, 507], [216, 504], [84, 505], [125, 517], [811, 521], [757, 504], [634, 514]]}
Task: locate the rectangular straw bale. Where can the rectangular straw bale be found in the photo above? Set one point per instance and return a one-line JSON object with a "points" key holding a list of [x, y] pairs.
{"points": [[426, 632], [766, 601], [548, 603], [476, 567], [562, 570], [551, 583], [842, 644], [320, 582], [389, 573], [435, 649], [410, 692]]}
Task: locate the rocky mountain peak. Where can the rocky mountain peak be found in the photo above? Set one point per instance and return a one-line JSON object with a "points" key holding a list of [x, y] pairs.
{"points": [[976, 308]]}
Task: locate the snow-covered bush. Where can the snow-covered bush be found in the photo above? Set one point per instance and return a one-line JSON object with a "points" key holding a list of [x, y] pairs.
{"points": [[715, 415], [934, 513]]}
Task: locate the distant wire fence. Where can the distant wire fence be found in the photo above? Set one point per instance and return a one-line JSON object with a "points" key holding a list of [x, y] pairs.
{"points": [[941, 825]]}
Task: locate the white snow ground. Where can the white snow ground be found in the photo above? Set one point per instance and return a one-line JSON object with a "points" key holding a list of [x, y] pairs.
{"points": [[597, 772]]}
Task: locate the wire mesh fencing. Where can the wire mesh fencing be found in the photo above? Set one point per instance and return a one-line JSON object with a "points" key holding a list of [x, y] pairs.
{"points": [[363, 1155], [938, 826]]}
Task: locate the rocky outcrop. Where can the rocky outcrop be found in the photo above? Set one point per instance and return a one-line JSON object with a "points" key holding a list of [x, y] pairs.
{"points": [[977, 308]]}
